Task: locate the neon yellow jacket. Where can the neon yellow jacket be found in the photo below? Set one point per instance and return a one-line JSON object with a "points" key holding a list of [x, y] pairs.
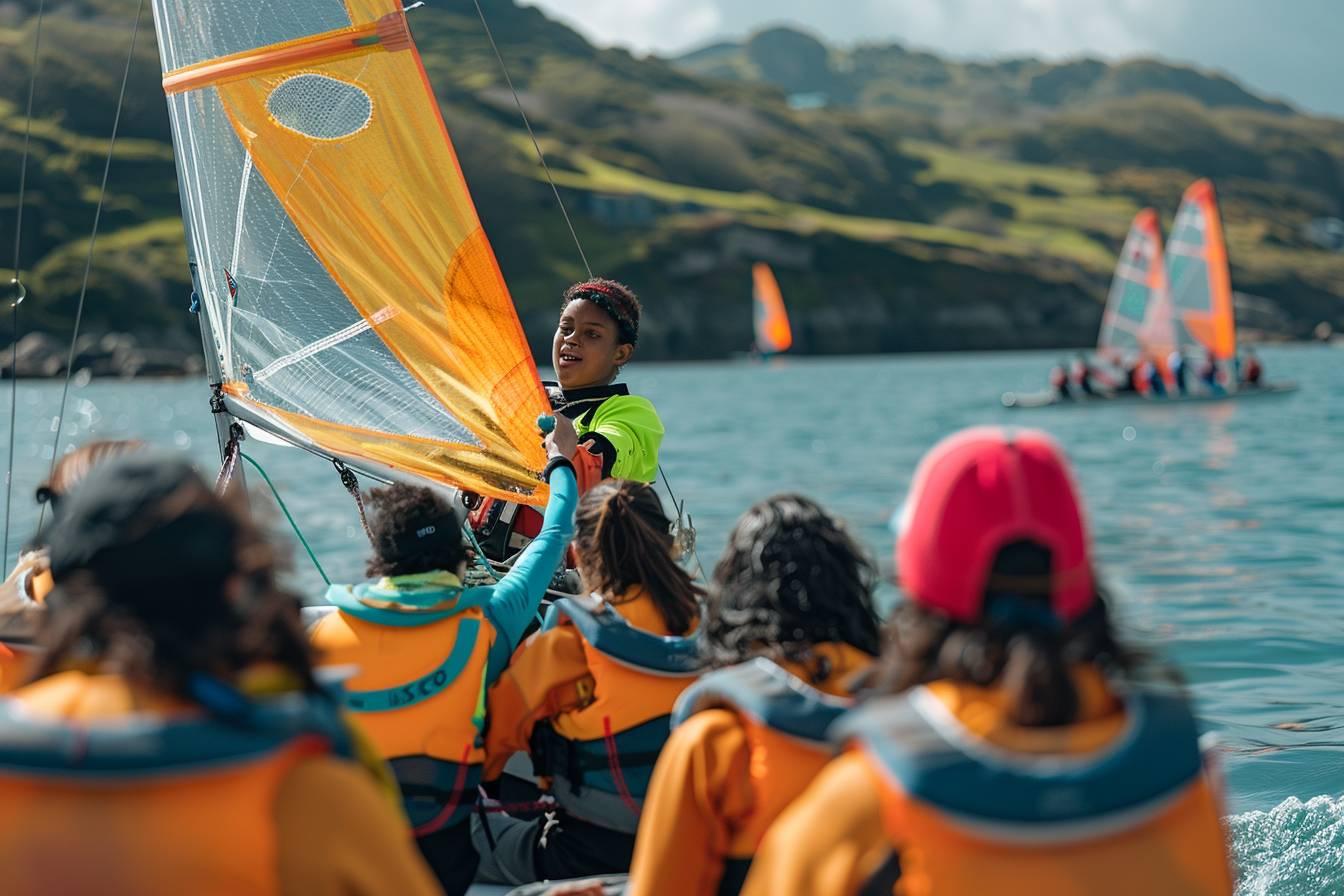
{"points": [[623, 430]]}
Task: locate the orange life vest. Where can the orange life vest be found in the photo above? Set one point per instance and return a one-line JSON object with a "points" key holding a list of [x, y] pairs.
{"points": [[786, 722], [600, 757], [152, 805], [1136, 815], [419, 693]]}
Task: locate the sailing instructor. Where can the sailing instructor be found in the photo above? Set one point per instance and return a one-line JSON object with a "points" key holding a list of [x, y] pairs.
{"points": [[618, 434]]}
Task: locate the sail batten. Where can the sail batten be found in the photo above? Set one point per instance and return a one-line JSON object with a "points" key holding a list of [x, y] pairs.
{"points": [[346, 280]]}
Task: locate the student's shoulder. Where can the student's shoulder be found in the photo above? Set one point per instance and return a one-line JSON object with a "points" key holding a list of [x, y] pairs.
{"points": [[629, 407]]}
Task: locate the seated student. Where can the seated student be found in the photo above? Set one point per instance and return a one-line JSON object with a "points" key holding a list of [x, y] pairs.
{"points": [[1018, 750], [426, 649], [590, 695], [23, 593], [618, 433], [173, 738], [790, 622]]}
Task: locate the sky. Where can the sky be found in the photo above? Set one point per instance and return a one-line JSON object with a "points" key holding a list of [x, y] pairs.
{"points": [[1288, 49]]}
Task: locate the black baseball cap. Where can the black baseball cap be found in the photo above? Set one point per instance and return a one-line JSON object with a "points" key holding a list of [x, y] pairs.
{"points": [[144, 520]]}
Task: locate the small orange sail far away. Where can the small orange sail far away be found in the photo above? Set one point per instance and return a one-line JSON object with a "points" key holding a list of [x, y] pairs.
{"points": [[773, 333]]}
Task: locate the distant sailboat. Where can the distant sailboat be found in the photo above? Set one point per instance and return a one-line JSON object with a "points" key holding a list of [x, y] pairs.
{"points": [[774, 336], [1201, 282], [1159, 301], [1138, 316]]}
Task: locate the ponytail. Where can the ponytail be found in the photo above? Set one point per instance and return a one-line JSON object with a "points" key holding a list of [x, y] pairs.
{"points": [[624, 540]]}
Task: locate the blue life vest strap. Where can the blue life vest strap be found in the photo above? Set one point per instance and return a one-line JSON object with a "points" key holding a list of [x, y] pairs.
{"points": [[768, 694], [916, 740], [427, 685], [148, 746], [610, 634]]}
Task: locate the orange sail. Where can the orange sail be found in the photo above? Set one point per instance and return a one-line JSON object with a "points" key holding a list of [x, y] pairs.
{"points": [[1201, 284], [352, 298], [773, 334], [1138, 316]]}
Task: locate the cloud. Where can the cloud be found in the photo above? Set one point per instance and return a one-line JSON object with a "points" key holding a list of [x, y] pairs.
{"points": [[645, 25], [1286, 49]]}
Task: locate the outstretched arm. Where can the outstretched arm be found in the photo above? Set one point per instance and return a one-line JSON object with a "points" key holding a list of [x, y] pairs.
{"points": [[516, 597]]}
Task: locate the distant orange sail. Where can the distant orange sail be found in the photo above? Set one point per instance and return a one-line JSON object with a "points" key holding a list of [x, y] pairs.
{"points": [[1201, 283], [351, 293], [773, 333], [1138, 315]]}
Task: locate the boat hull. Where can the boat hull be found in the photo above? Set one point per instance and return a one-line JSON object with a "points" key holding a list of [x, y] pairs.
{"points": [[1049, 399]]}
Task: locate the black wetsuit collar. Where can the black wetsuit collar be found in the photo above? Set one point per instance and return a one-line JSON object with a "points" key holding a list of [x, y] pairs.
{"points": [[574, 403]]}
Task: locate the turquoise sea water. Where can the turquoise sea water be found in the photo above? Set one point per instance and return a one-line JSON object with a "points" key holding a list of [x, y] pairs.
{"points": [[1220, 528]]}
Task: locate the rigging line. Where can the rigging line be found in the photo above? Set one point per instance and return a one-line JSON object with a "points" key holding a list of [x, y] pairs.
{"points": [[285, 510], [16, 282], [541, 156], [88, 260]]}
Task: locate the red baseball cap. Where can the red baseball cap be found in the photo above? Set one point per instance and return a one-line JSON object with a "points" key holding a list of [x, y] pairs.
{"points": [[976, 491]]}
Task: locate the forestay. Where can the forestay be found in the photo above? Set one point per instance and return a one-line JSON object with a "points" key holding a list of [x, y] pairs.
{"points": [[351, 295], [1201, 284]]}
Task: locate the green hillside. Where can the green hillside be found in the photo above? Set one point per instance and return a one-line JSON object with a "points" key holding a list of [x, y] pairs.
{"points": [[924, 204]]}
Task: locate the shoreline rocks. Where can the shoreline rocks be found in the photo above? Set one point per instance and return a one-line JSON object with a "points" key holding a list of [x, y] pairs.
{"points": [[102, 355]]}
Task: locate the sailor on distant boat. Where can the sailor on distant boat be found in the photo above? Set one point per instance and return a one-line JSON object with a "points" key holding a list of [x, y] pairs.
{"points": [[1019, 750], [1083, 375], [1176, 364], [1211, 375], [1157, 385], [1253, 373], [426, 649], [1059, 381]]}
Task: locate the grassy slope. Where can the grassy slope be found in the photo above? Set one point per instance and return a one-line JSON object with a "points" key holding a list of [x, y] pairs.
{"points": [[717, 155]]}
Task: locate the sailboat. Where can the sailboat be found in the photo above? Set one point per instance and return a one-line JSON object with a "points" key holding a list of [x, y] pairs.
{"points": [[774, 336], [1160, 301], [1137, 321], [1204, 319], [350, 304]]}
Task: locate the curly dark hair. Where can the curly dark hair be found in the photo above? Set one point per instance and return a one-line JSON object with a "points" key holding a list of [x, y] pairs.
{"points": [[414, 529], [1010, 646], [790, 578], [616, 299], [623, 539], [168, 630]]}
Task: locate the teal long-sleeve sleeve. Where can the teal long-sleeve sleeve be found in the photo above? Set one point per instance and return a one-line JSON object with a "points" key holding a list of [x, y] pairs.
{"points": [[515, 598]]}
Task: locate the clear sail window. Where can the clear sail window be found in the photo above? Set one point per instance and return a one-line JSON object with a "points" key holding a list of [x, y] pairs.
{"points": [[320, 107]]}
